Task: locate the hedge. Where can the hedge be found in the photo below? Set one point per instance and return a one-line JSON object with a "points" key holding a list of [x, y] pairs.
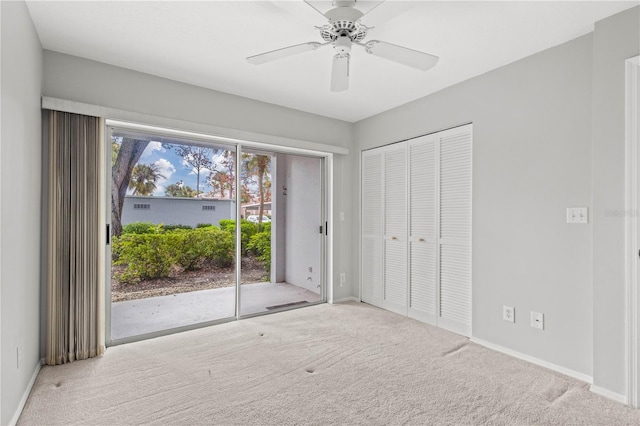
{"points": [[247, 230], [149, 251], [260, 245]]}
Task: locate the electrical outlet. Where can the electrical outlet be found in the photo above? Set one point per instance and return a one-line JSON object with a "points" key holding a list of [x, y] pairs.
{"points": [[537, 320], [343, 278], [310, 269], [19, 355], [341, 216], [509, 313]]}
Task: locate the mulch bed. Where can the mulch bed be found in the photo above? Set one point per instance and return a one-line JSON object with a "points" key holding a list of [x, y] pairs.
{"points": [[179, 281]]}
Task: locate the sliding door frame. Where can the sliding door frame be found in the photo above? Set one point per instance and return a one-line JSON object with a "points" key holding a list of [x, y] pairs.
{"points": [[632, 230], [326, 249]]}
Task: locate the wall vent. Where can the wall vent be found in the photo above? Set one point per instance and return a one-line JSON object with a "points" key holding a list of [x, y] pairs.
{"points": [[142, 206], [208, 207]]}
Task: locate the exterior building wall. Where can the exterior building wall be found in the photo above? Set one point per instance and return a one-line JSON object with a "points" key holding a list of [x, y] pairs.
{"points": [[176, 211]]}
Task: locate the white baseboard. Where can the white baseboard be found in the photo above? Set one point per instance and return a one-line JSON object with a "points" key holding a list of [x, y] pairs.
{"points": [[609, 394], [346, 299], [25, 396], [563, 370]]}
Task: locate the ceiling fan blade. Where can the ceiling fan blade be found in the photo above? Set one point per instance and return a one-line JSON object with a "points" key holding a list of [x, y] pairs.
{"points": [[315, 6], [364, 6], [283, 53], [402, 55], [340, 72]]}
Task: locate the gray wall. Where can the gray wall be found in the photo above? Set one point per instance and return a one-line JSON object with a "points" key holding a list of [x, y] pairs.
{"points": [[615, 40], [302, 216], [531, 160], [20, 160], [176, 211], [83, 80]]}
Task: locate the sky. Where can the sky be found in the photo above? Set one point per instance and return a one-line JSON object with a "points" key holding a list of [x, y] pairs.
{"points": [[173, 168]]}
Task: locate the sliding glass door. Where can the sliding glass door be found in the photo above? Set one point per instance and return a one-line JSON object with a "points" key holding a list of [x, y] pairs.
{"points": [[172, 233], [175, 262], [283, 204]]}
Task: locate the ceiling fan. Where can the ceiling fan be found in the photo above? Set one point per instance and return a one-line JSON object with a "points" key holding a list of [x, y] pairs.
{"points": [[343, 31]]}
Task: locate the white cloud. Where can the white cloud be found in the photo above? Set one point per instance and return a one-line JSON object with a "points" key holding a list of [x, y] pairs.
{"points": [[166, 169], [151, 148], [218, 162]]}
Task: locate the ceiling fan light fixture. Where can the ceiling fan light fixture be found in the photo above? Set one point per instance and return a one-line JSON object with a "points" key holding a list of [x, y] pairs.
{"points": [[340, 72], [342, 44]]}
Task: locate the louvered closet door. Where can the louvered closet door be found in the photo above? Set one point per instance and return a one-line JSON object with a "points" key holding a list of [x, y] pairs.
{"points": [[423, 229], [395, 229], [371, 267], [455, 230]]}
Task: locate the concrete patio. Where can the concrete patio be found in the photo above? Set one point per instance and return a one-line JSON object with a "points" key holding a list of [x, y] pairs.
{"points": [[142, 316]]}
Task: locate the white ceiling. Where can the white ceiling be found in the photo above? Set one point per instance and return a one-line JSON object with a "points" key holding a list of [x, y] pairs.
{"points": [[205, 43]]}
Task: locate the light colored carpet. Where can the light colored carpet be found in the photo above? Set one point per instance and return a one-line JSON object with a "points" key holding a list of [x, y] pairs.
{"points": [[327, 364]]}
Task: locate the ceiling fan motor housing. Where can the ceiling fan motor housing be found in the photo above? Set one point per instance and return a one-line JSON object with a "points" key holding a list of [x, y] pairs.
{"points": [[344, 22]]}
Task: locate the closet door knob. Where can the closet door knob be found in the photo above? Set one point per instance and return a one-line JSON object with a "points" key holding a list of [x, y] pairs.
{"points": [[394, 238], [421, 240]]}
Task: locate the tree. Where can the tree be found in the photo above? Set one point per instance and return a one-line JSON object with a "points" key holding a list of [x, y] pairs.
{"points": [[179, 190], [126, 157], [220, 182], [228, 161], [197, 158], [115, 149], [144, 178], [257, 166], [245, 197]]}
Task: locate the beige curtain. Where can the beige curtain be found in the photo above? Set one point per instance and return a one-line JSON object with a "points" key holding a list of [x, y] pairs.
{"points": [[75, 262]]}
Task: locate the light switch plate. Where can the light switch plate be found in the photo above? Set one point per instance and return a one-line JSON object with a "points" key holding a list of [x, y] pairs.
{"points": [[577, 215]]}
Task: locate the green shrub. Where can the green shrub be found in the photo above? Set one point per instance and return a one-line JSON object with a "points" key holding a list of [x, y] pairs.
{"points": [[150, 256], [226, 223], [141, 228], [168, 228], [220, 247], [266, 227], [247, 230], [260, 245], [192, 247], [203, 225], [147, 256], [187, 248]]}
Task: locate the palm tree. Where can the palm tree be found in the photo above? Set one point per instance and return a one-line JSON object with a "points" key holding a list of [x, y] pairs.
{"points": [[257, 166], [144, 178]]}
